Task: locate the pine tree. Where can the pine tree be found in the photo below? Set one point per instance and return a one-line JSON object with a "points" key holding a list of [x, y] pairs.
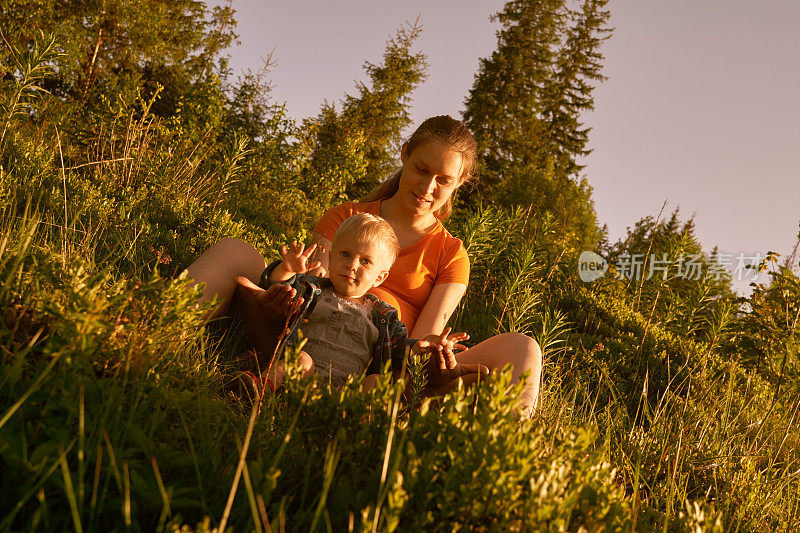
{"points": [[375, 117], [110, 47], [525, 109]]}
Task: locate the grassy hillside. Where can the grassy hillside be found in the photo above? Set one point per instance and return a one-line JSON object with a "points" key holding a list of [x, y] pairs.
{"points": [[667, 404]]}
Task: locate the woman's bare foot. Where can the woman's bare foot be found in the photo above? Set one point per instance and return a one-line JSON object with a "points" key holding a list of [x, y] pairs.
{"points": [[263, 312]]}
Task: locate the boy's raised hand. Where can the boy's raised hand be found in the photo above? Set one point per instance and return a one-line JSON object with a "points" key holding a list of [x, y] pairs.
{"points": [[296, 258]]}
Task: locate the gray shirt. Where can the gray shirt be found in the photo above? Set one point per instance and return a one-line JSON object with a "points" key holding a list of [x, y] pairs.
{"points": [[341, 337]]}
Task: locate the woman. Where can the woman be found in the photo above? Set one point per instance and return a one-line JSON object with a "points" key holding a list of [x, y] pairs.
{"points": [[430, 275]]}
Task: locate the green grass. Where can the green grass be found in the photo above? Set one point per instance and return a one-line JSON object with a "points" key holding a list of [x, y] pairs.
{"points": [[664, 406], [115, 416]]}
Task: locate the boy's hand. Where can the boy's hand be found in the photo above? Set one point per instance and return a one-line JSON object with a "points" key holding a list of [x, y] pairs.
{"points": [[447, 342], [443, 369], [294, 260]]}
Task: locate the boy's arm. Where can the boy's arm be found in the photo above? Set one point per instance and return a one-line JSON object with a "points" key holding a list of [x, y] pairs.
{"points": [[267, 277], [280, 274], [390, 348], [398, 341]]}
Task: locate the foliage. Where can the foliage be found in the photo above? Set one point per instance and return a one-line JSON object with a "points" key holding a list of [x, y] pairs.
{"points": [[662, 271], [767, 333], [109, 45], [525, 109], [666, 404], [513, 258], [374, 119]]}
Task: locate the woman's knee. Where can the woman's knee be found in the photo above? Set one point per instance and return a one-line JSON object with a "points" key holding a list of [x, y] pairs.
{"points": [[523, 349], [219, 266], [529, 358], [242, 257], [232, 243], [225, 260]]}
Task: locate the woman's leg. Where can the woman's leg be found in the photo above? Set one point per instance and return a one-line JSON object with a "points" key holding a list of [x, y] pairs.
{"points": [[231, 270], [219, 266], [524, 355]]}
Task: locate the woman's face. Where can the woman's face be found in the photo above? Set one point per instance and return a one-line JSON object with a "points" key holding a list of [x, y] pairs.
{"points": [[431, 173]]}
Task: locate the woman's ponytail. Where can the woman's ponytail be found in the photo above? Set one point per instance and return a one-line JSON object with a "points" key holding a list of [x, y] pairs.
{"points": [[385, 190]]}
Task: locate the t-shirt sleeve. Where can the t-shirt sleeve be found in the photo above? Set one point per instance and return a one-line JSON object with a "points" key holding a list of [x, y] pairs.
{"points": [[454, 266], [329, 222]]}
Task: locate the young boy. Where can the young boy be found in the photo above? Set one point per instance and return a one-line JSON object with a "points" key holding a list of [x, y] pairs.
{"points": [[347, 330]]}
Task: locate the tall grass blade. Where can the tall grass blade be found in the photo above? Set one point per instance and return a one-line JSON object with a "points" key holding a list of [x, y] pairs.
{"points": [[37, 382], [73, 504], [126, 502], [239, 467], [165, 511], [332, 455], [5, 525], [249, 487]]}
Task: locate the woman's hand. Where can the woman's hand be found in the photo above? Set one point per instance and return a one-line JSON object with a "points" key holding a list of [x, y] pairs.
{"points": [[264, 312], [272, 304]]}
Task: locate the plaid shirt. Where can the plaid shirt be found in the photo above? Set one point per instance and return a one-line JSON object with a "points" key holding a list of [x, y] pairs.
{"points": [[393, 339]]}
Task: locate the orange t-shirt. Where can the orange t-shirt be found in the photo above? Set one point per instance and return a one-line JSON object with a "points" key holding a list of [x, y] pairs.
{"points": [[438, 257]]}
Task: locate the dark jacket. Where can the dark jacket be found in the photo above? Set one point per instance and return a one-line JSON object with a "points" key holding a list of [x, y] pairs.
{"points": [[393, 340]]}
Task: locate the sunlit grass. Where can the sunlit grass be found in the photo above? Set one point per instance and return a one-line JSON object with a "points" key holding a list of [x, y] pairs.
{"points": [[655, 413]]}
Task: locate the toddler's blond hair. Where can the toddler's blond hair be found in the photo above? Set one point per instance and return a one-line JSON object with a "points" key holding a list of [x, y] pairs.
{"points": [[366, 228]]}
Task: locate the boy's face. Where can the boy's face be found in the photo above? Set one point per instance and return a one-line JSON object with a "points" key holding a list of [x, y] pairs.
{"points": [[354, 268]]}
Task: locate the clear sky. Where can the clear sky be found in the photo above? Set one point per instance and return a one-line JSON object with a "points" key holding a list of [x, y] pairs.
{"points": [[701, 107]]}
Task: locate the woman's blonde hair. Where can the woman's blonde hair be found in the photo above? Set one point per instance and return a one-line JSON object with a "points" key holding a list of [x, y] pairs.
{"points": [[443, 129], [366, 228]]}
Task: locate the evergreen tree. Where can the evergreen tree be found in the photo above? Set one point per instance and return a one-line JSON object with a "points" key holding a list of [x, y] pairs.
{"points": [[116, 47], [525, 109], [374, 118]]}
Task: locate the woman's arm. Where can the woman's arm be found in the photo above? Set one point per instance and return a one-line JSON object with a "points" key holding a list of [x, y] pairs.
{"points": [[437, 310]]}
